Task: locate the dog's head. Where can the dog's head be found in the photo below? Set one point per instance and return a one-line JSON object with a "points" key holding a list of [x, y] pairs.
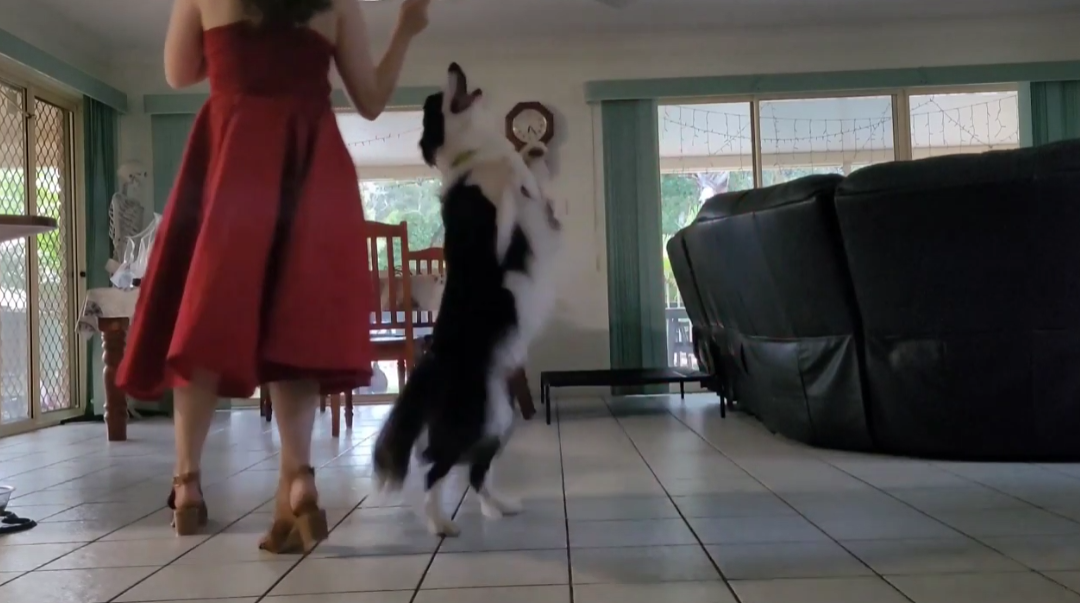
{"points": [[451, 117]]}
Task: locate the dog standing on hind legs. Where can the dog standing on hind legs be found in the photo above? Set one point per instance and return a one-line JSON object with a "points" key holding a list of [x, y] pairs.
{"points": [[501, 240]]}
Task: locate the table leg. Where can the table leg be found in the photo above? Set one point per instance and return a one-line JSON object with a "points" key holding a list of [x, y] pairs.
{"points": [[519, 390], [113, 342], [335, 418], [267, 403], [545, 394], [348, 409]]}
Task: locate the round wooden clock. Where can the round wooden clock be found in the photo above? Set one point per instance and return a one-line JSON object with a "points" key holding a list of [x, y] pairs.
{"points": [[530, 122]]}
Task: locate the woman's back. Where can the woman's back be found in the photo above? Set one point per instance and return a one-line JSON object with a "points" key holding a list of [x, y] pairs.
{"points": [[218, 13], [246, 55]]}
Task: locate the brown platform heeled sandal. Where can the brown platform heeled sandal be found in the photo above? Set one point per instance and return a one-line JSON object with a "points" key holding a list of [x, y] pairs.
{"points": [[189, 518], [301, 532]]}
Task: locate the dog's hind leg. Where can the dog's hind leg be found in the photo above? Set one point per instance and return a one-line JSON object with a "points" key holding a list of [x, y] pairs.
{"points": [[492, 505], [437, 521]]}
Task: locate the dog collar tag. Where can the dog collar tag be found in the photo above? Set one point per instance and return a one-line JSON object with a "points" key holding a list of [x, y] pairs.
{"points": [[462, 158]]}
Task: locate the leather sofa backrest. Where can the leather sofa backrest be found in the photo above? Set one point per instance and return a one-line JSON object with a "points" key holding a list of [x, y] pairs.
{"points": [[769, 260], [966, 270], [708, 334], [769, 266], [683, 271]]}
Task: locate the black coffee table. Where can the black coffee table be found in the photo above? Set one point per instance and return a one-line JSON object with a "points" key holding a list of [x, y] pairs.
{"points": [[618, 378]]}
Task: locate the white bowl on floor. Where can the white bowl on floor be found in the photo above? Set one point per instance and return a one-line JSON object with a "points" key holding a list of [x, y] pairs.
{"points": [[5, 496]]}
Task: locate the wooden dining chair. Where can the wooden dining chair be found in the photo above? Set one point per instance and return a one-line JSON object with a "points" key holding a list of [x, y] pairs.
{"points": [[392, 328], [432, 262], [392, 331], [427, 271]]}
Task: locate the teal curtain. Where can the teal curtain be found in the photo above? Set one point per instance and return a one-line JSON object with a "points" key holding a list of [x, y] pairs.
{"points": [[1049, 112], [169, 134], [101, 133], [101, 130], [635, 255]]}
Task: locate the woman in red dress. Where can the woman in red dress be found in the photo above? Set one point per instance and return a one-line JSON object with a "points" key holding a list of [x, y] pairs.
{"points": [[259, 274]]}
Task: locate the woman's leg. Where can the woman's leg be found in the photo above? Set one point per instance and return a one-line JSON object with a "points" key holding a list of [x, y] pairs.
{"points": [[193, 411], [295, 406], [299, 524]]}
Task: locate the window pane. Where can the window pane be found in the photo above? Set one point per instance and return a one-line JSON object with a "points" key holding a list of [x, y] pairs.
{"points": [[52, 150], [705, 150], [823, 136], [14, 274], [967, 122], [414, 200]]}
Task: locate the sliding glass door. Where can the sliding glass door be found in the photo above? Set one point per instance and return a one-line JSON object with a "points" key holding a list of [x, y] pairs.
{"points": [[705, 150], [39, 354], [716, 146]]}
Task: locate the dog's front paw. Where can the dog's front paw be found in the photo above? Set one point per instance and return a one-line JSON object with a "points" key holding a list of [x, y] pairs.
{"points": [[490, 510], [497, 507], [443, 526], [510, 506]]}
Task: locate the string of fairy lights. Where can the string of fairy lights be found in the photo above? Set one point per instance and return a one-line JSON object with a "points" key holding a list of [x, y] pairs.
{"points": [[383, 138], [984, 124]]}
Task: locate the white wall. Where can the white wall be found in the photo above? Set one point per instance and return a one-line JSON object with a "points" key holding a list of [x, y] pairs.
{"points": [[554, 72]]}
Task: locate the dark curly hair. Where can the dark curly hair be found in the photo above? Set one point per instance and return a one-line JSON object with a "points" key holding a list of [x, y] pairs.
{"points": [[293, 12]]}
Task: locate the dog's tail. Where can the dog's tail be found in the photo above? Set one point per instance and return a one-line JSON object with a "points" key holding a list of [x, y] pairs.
{"points": [[393, 446]]}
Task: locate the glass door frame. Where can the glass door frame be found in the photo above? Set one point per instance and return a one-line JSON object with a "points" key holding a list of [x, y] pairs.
{"points": [[73, 178], [901, 115]]}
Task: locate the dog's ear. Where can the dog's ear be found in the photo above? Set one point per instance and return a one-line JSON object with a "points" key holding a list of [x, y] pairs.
{"points": [[457, 87], [434, 124]]}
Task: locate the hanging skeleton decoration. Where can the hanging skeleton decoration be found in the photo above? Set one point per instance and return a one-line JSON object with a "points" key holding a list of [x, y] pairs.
{"points": [[126, 213], [131, 231]]}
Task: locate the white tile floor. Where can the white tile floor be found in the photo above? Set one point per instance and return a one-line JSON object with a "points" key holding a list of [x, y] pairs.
{"points": [[627, 501]]}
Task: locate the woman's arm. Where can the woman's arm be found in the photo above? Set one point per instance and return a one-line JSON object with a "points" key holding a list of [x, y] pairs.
{"points": [[370, 86], [184, 64]]}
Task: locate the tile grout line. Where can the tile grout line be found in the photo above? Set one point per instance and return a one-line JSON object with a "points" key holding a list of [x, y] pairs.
{"points": [[302, 556], [716, 566], [566, 510], [972, 537], [442, 539], [305, 555], [785, 501], [226, 527], [100, 539], [994, 489]]}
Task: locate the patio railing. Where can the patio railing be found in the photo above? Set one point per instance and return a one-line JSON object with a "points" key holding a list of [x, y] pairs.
{"points": [[680, 345]]}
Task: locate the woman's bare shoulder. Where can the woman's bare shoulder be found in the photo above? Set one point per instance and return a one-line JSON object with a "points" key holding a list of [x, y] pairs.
{"points": [[216, 13], [326, 23]]}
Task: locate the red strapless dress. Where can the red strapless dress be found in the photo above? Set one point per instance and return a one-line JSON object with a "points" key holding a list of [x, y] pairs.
{"points": [[259, 272]]}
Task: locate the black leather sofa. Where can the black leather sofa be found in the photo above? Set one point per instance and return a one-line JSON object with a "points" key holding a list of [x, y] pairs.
{"points": [[927, 308]]}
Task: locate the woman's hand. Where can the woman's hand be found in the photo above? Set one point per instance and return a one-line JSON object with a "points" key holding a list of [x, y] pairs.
{"points": [[413, 17], [371, 86]]}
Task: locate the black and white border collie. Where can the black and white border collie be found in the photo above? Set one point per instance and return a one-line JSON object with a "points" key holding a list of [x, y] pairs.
{"points": [[501, 240]]}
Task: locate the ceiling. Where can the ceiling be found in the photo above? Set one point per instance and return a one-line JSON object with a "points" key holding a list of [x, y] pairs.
{"points": [[139, 25]]}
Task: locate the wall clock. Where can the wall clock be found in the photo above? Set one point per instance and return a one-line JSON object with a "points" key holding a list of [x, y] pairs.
{"points": [[529, 123]]}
